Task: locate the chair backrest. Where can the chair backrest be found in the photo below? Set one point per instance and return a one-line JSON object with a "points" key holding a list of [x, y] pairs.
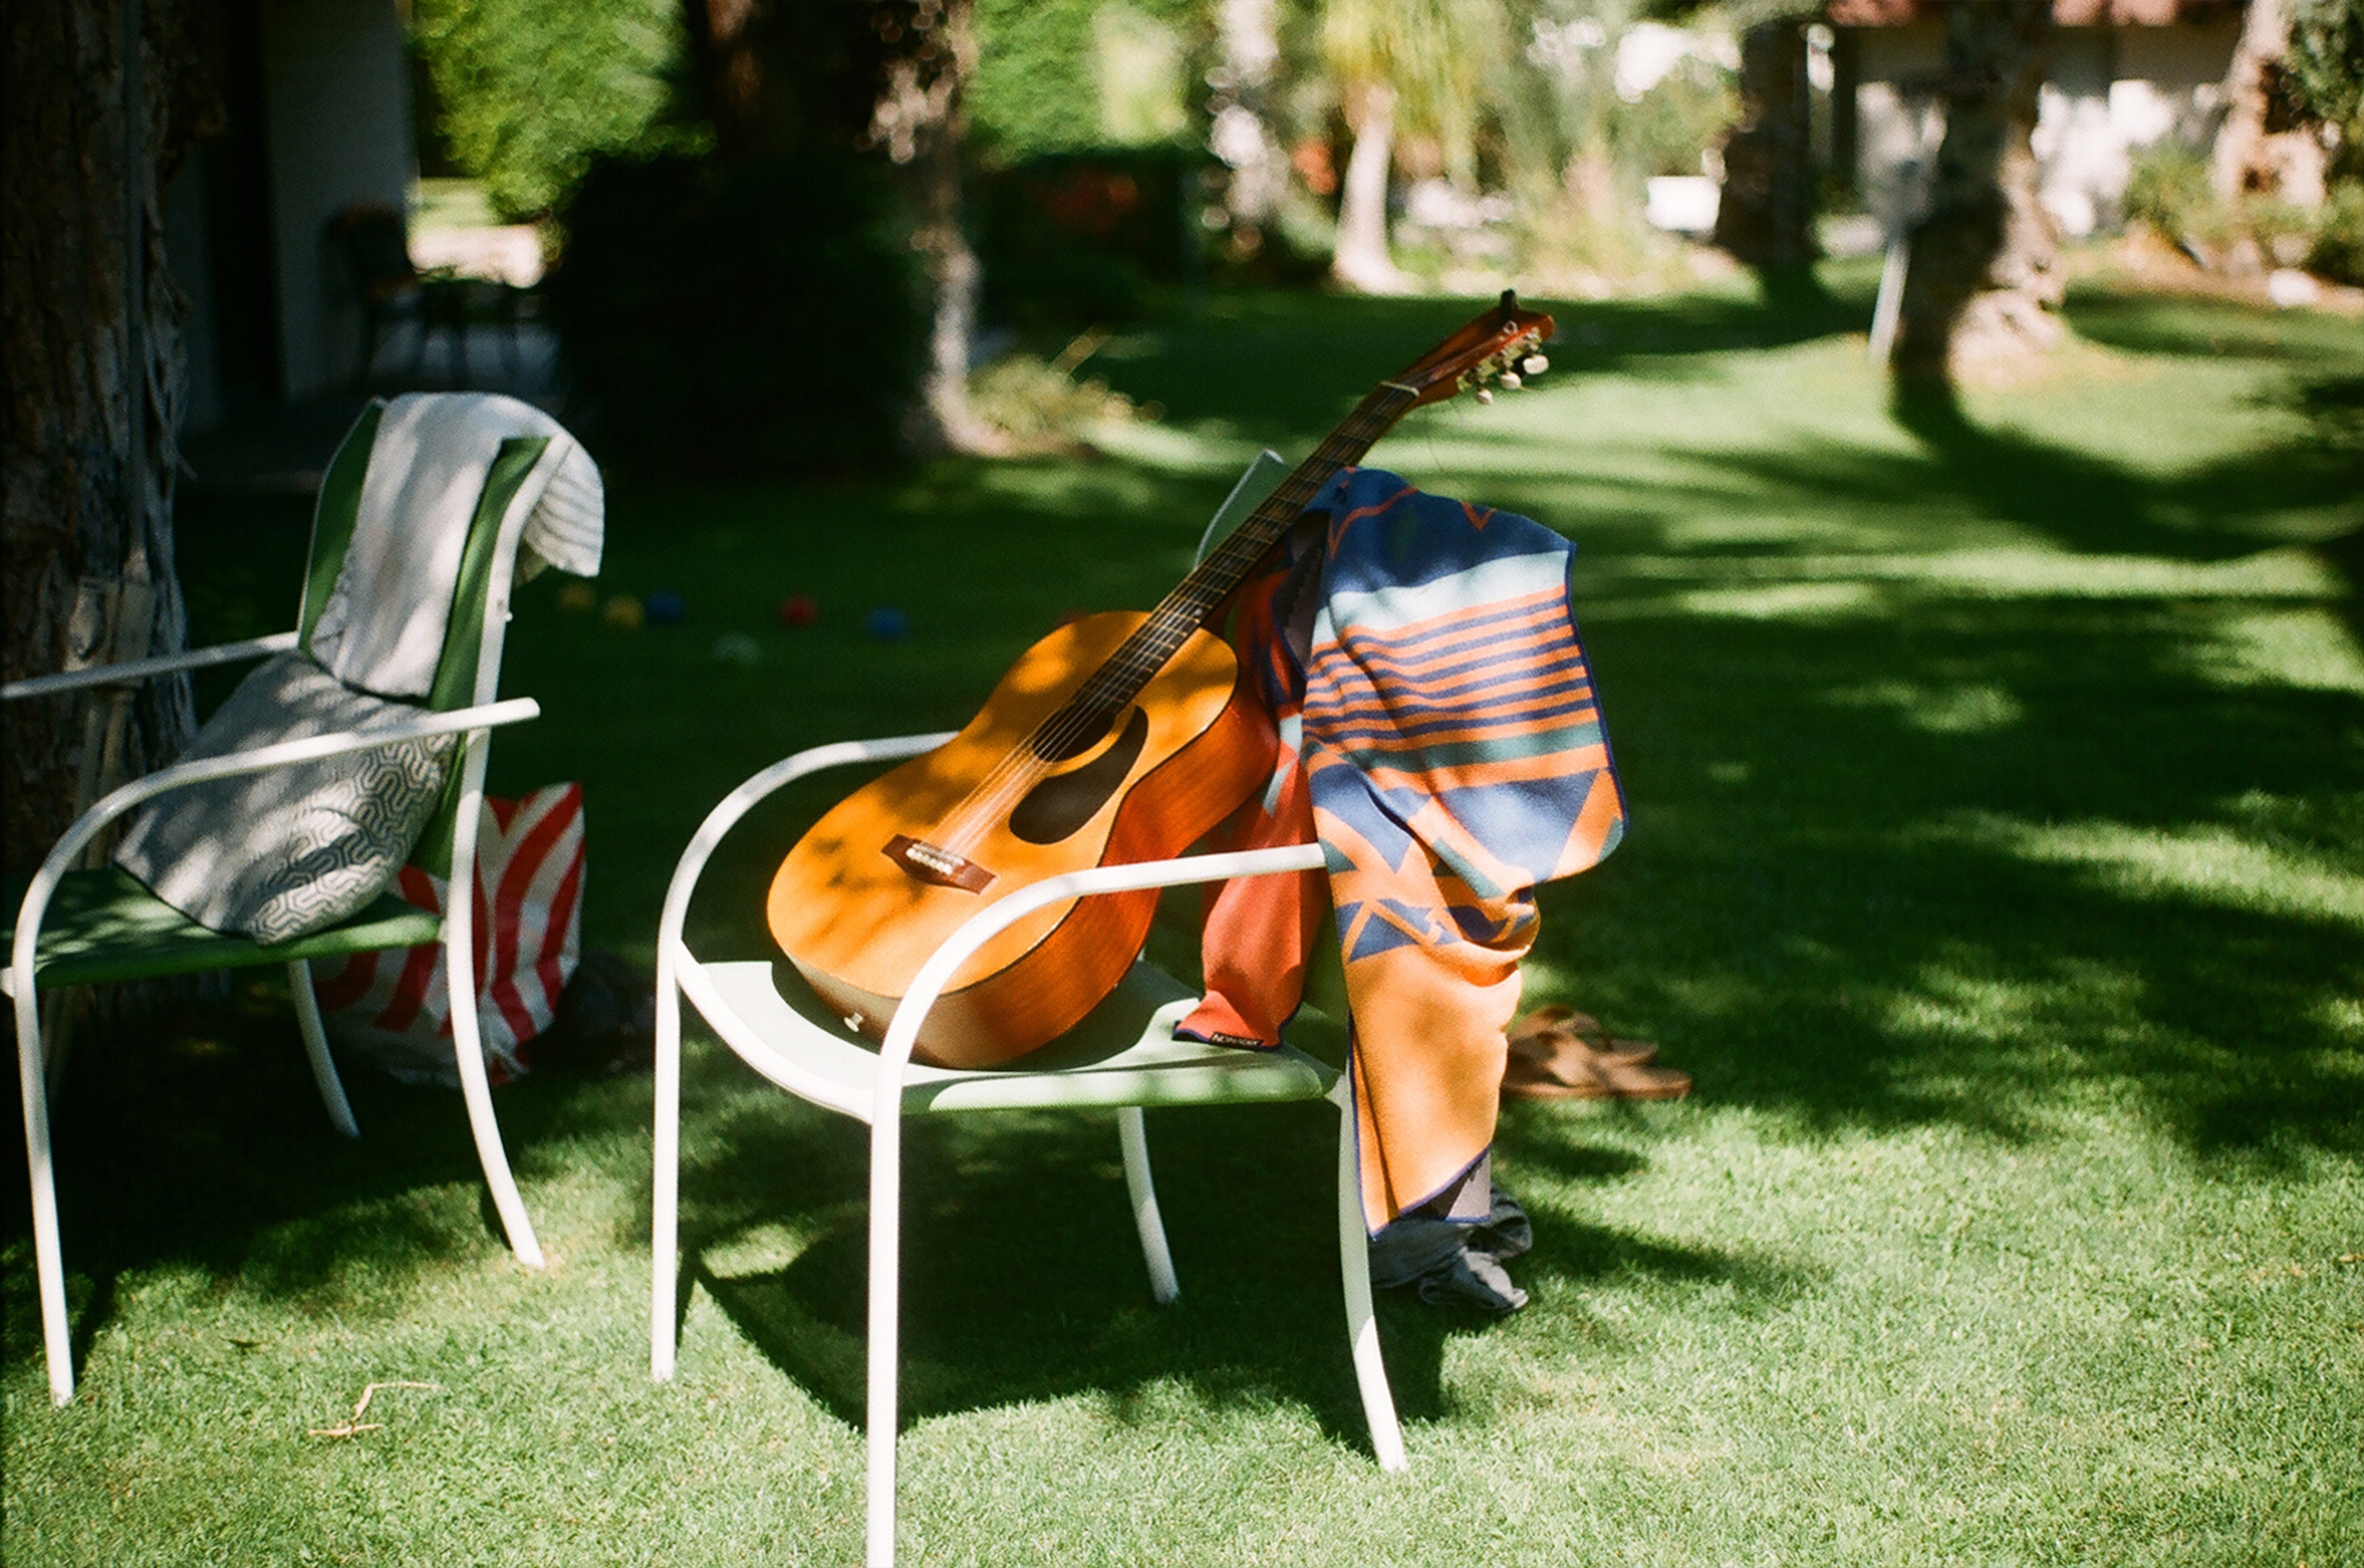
{"points": [[376, 244], [468, 670]]}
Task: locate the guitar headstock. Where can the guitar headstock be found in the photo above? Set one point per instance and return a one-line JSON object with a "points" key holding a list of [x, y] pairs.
{"points": [[1500, 346]]}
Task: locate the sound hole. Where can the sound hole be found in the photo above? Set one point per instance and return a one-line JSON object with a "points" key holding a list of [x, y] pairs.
{"points": [[1064, 803]]}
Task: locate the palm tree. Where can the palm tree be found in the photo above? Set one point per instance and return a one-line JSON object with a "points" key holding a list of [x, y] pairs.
{"points": [[1422, 66]]}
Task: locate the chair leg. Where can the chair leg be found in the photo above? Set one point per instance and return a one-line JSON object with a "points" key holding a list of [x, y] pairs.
{"points": [[468, 1047], [1355, 1264], [664, 1206], [1134, 1138], [315, 1049], [886, 1293], [48, 1264]]}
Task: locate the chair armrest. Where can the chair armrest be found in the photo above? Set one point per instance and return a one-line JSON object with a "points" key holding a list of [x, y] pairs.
{"points": [[140, 669], [895, 1051], [739, 801], [179, 775]]}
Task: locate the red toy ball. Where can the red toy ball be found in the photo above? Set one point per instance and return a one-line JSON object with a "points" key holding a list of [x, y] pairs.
{"points": [[798, 609]]}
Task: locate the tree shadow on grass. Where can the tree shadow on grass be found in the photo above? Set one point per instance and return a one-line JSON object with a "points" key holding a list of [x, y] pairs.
{"points": [[1023, 1276], [198, 1141], [1975, 861], [1284, 369]]}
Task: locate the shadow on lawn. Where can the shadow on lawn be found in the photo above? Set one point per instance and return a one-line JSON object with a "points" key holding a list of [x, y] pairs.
{"points": [[1977, 859], [1023, 1279], [1282, 369]]}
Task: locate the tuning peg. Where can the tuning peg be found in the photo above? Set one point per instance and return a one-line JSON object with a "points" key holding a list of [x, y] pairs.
{"points": [[1485, 395], [1511, 379], [1534, 364]]}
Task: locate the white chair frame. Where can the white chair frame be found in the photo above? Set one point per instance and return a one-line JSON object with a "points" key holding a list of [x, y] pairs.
{"points": [[680, 974], [475, 722]]}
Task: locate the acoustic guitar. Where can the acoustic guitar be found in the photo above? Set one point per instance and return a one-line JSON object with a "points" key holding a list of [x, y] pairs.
{"points": [[1118, 738]]}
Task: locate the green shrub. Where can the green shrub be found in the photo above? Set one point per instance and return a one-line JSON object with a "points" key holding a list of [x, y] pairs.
{"points": [[1039, 405], [763, 318], [2168, 187], [531, 89], [2338, 250]]}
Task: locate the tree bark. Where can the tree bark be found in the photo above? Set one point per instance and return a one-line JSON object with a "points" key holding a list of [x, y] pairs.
{"points": [[1765, 215], [2251, 154], [1984, 280], [90, 328], [919, 120], [1361, 260]]}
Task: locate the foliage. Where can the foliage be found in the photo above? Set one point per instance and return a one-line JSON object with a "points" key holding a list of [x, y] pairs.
{"points": [[2327, 69], [1063, 75], [1669, 128], [2168, 187], [1039, 405], [1443, 59], [759, 317], [531, 89], [2338, 250], [1071, 238]]}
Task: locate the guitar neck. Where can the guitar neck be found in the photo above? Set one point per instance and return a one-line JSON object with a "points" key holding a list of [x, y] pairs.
{"points": [[1186, 609]]}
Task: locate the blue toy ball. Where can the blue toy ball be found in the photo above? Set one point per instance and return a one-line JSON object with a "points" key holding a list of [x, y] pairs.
{"points": [[888, 624], [664, 607]]}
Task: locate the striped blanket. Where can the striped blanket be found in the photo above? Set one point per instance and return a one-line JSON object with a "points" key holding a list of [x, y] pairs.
{"points": [[1434, 725]]}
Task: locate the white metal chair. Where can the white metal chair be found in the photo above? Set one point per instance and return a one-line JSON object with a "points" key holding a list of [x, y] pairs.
{"points": [[1123, 1055], [79, 925]]}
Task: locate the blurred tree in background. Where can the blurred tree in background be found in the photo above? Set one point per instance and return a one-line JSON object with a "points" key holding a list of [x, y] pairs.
{"points": [[531, 89], [1984, 278]]}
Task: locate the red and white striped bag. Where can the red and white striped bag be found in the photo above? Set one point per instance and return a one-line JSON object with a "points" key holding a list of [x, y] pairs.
{"points": [[392, 1008]]}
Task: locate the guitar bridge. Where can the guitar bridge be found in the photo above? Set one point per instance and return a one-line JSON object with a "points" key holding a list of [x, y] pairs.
{"points": [[940, 866]]}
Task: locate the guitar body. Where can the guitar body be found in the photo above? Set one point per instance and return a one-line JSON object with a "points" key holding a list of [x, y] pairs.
{"points": [[882, 880], [1119, 738]]}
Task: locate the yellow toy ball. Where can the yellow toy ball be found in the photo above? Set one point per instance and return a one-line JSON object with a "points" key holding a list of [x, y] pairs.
{"points": [[578, 598], [624, 612]]}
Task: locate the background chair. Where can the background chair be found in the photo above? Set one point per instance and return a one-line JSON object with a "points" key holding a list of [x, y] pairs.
{"points": [[80, 926], [374, 240], [1122, 1056]]}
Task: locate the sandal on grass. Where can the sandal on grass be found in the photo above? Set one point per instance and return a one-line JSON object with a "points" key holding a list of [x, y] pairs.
{"points": [[1549, 1034], [1552, 1059]]}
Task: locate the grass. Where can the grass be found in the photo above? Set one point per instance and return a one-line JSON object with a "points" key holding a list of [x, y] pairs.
{"points": [[1996, 865]]}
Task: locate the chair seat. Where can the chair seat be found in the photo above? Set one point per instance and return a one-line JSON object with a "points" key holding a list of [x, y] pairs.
{"points": [[105, 925], [1124, 1053]]}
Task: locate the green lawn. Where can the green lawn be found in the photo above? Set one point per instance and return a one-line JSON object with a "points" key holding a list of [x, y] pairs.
{"points": [[1996, 865]]}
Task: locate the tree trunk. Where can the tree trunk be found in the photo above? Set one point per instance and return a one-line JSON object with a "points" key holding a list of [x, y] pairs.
{"points": [[885, 76], [2252, 155], [1984, 279], [90, 326], [1765, 215], [1361, 260], [919, 119]]}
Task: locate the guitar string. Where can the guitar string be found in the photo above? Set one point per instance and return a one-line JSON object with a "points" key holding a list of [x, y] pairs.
{"points": [[1162, 633], [1153, 645]]}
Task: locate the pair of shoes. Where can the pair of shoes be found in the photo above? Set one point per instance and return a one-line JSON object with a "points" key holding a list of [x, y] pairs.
{"points": [[1558, 1053]]}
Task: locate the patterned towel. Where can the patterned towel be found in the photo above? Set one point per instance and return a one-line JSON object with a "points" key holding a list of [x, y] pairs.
{"points": [[1434, 725]]}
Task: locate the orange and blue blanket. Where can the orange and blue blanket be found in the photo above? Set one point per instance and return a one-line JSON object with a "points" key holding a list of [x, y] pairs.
{"points": [[1434, 725]]}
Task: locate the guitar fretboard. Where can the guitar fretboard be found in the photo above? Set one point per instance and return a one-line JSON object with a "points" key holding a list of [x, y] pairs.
{"points": [[1111, 687]]}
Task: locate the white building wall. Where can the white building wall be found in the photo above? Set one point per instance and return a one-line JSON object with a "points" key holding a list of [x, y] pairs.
{"points": [[2111, 92], [337, 102]]}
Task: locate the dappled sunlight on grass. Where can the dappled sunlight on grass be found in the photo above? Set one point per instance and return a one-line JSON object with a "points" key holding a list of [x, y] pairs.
{"points": [[2202, 863]]}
